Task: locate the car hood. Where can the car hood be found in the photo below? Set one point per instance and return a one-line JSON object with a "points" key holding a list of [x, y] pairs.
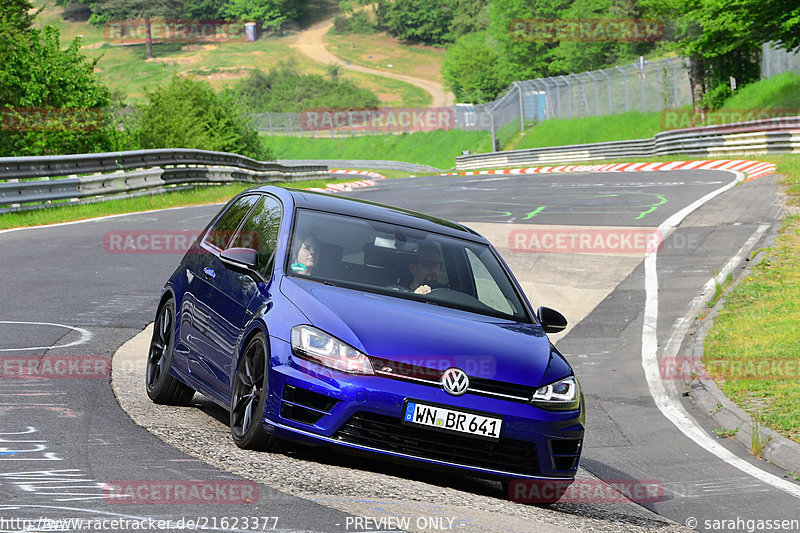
{"points": [[423, 335]]}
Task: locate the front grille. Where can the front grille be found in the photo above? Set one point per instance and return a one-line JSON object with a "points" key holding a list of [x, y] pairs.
{"points": [[389, 434], [432, 377]]}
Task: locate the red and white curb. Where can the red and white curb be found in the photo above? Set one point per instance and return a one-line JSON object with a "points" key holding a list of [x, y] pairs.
{"points": [[349, 186], [753, 169]]}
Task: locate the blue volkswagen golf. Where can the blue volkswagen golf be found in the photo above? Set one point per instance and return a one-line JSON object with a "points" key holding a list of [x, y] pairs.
{"points": [[370, 329]]}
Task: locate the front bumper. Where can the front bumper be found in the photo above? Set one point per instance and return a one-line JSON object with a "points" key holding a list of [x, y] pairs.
{"points": [[314, 405]]}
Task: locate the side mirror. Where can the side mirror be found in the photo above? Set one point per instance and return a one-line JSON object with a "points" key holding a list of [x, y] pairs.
{"points": [[241, 260], [551, 320]]}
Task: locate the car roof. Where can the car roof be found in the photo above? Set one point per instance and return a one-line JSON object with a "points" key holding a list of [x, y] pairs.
{"points": [[375, 211]]}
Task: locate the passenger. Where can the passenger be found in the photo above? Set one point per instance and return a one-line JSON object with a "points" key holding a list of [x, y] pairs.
{"points": [[305, 252], [426, 269]]}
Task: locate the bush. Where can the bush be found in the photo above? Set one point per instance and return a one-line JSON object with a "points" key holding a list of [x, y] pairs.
{"points": [[187, 113], [283, 88], [358, 22], [715, 97]]}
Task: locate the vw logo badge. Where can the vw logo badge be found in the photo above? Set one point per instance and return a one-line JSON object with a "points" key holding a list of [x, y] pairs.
{"points": [[455, 381]]}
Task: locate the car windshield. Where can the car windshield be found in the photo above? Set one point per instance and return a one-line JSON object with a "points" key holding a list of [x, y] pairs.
{"points": [[403, 262]]}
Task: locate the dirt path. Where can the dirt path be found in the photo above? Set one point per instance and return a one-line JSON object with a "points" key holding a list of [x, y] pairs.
{"points": [[309, 42]]}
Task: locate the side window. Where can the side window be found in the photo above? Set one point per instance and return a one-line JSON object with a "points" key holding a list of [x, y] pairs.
{"points": [[222, 232], [488, 291], [260, 231]]}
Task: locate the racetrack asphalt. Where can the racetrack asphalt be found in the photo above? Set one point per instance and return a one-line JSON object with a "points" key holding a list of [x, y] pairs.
{"points": [[63, 275]]}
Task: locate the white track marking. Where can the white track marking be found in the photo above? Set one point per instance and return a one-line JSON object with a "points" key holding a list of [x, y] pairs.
{"points": [[670, 406], [86, 336], [104, 217]]}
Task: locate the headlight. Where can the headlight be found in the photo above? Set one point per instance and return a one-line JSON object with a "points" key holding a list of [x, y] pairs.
{"points": [[315, 345], [563, 395]]}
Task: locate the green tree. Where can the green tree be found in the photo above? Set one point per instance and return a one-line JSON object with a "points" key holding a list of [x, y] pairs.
{"points": [[51, 100], [105, 10], [721, 39], [268, 13], [522, 55], [187, 113], [17, 15], [205, 9], [426, 21], [471, 69], [470, 16]]}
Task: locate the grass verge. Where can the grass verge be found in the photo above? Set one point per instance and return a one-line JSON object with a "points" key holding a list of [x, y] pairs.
{"points": [[435, 148], [561, 132], [755, 339]]}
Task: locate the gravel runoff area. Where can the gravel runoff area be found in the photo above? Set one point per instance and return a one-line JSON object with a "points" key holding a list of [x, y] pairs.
{"points": [[359, 486]]}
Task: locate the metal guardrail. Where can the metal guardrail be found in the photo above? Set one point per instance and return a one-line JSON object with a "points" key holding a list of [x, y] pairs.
{"points": [[35, 180], [777, 135]]}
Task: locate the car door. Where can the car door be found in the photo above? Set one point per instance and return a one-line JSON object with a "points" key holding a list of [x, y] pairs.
{"points": [[199, 323], [230, 295]]}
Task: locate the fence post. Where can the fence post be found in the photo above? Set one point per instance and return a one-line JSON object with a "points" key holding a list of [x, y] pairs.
{"points": [[675, 85], [625, 79], [569, 95], [596, 96], [639, 65], [270, 124], [495, 148], [608, 91], [521, 107]]}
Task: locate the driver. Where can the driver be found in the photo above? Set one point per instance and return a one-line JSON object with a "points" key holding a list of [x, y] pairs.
{"points": [[425, 269], [305, 253]]}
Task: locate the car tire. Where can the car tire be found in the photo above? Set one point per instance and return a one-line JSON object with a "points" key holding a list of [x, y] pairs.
{"points": [[250, 390], [161, 387]]}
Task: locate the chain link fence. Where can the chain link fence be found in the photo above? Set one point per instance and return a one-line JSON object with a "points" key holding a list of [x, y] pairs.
{"points": [[641, 86], [645, 86], [778, 60]]}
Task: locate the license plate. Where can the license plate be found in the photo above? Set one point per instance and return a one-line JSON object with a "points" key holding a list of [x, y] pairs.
{"points": [[448, 419]]}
